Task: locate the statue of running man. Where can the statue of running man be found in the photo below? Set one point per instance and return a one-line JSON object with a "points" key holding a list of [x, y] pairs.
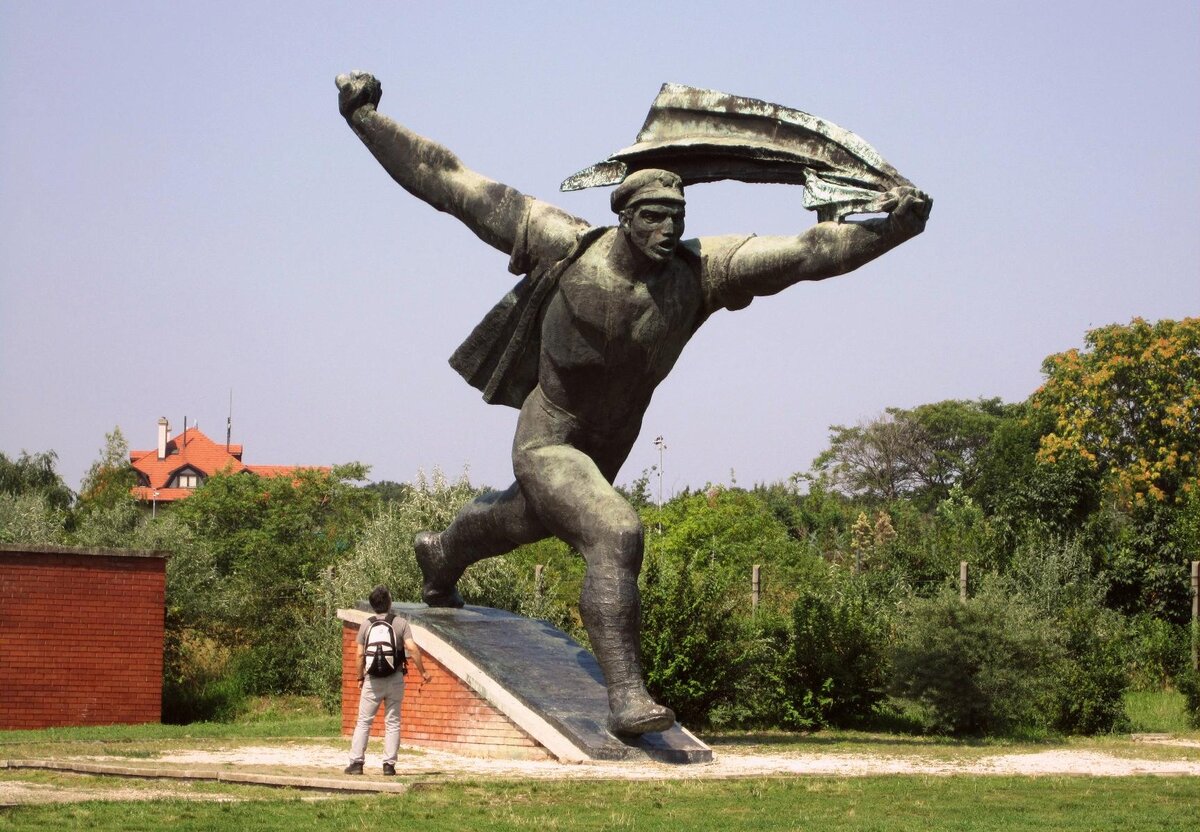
{"points": [[579, 345]]}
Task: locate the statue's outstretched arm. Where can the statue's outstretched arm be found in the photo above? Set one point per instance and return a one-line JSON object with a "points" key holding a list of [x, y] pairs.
{"points": [[766, 265], [428, 170]]}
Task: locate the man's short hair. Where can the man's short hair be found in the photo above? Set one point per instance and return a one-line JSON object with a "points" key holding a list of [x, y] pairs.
{"points": [[381, 599], [646, 185]]}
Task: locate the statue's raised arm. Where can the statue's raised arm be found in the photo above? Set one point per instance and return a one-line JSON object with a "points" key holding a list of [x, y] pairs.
{"points": [[428, 170], [706, 136], [766, 265]]}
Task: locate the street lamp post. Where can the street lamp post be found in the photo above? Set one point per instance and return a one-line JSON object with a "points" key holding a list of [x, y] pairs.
{"points": [[662, 446]]}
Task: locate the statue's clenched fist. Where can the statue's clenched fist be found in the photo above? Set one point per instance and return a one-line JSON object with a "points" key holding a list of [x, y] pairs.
{"points": [[909, 209], [356, 90]]}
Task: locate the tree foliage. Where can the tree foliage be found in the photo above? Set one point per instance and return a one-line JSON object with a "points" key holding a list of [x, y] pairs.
{"points": [[919, 453], [35, 474], [1128, 404], [268, 542], [987, 665], [109, 481], [873, 459]]}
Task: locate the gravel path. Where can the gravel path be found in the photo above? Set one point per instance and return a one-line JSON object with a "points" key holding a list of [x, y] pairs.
{"points": [[726, 763], [327, 759]]}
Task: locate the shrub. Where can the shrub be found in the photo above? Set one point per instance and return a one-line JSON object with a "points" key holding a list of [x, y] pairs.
{"points": [[1188, 682], [986, 665], [1156, 651], [690, 635], [383, 552], [1091, 680], [1054, 576], [760, 695], [31, 518], [202, 681], [835, 670]]}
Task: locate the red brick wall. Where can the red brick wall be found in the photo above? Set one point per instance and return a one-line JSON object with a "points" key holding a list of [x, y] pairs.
{"points": [[109, 606], [443, 714]]}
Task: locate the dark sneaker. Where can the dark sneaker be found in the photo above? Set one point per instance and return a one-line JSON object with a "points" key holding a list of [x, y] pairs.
{"points": [[438, 588], [354, 768], [389, 770]]}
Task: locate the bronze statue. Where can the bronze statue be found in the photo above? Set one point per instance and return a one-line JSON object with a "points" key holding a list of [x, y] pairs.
{"points": [[580, 344]]}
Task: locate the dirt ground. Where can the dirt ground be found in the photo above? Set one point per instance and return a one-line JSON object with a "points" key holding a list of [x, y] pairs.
{"points": [[326, 760]]}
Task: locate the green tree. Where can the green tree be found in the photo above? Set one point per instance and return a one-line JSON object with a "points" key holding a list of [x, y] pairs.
{"points": [[951, 437], [919, 453], [873, 459], [30, 518], [1018, 489], [835, 670], [691, 630], [108, 514], [34, 473], [1128, 404], [110, 479], [390, 491], [268, 542], [34, 500]]}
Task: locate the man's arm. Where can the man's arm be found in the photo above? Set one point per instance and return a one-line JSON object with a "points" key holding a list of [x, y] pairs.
{"points": [[766, 265], [429, 171], [414, 652], [361, 661]]}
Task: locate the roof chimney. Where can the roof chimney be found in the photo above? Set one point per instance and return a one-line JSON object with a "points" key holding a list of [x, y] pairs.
{"points": [[164, 432]]}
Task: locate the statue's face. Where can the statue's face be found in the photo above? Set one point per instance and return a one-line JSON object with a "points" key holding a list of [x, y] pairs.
{"points": [[654, 228]]}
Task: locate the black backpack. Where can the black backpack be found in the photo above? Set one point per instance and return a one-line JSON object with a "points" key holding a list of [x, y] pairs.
{"points": [[384, 652]]}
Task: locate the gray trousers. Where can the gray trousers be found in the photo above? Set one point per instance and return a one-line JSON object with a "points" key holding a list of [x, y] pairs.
{"points": [[386, 690]]}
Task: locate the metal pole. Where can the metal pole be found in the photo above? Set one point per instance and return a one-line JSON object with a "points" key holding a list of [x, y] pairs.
{"points": [[755, 586], [662, 446], [962, 581]]}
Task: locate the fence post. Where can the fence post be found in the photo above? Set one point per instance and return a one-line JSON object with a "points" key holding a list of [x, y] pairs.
{"points": [[755, 586], [962, 581], [537, 579], [1196, 615]]}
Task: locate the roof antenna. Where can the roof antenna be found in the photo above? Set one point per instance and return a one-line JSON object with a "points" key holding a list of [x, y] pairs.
{"points": [[229, 421]]}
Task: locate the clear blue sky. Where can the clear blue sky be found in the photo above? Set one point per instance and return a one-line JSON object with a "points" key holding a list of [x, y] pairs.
{"points": [[182, 212]]}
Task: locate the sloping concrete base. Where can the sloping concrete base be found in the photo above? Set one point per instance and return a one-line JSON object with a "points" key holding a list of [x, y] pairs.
{"points": [[540, 679]]}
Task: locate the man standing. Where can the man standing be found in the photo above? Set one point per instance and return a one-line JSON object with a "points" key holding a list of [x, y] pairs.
{"points": [[579, 346], [379, 639]]}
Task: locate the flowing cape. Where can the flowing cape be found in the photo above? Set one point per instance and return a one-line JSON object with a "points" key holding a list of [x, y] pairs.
{"points": [[500, 356]]}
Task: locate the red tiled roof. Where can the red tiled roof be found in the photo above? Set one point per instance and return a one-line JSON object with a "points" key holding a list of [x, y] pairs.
{"points": [[192, 449]]}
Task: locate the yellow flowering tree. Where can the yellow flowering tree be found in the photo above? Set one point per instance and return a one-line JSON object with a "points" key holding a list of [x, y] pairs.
{"points": [[1128, 404]]}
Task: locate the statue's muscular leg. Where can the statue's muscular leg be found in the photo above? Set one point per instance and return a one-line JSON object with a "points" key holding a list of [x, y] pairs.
{"points": [[578, 504], [489, 525]]}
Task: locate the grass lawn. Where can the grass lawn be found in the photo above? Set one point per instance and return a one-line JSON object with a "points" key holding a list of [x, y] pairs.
{"points": [[894, 804], [1154, 712], [814, 804]]}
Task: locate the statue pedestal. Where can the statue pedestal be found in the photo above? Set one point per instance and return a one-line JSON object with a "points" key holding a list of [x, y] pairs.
{"points": [[506, 686]]}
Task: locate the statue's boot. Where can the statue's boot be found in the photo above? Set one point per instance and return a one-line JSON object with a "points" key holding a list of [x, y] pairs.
{"points": [[612, 616], [440, 576], [633, 712]]}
